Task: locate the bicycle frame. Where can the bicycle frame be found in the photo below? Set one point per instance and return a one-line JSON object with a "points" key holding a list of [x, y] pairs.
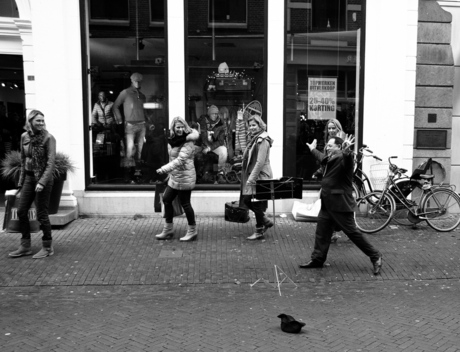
{"points": [[359, 176]]}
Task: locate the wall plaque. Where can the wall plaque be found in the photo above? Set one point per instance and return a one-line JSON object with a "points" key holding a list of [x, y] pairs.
{"points": [[431, 139]]}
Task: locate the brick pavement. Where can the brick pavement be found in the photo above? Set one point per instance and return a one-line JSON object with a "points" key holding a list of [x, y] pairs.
{"points": [[112, 287]]}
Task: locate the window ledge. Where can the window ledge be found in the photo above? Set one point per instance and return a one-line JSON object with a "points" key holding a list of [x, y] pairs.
{"points": [[123, 23]]}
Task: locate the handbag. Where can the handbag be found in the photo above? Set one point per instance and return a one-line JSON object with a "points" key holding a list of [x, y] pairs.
{"points": [[235, 213], [11, 220]]}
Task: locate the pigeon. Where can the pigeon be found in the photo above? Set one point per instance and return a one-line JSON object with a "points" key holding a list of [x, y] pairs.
{"points": [[290, 325]]}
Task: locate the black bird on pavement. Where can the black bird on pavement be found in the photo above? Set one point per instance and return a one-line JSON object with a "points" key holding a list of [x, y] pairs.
{"points": [[289, 324]]}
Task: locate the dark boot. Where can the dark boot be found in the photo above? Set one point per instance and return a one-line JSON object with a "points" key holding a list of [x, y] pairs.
{"points": [[24, 249], [46, 250], [267, 223]]}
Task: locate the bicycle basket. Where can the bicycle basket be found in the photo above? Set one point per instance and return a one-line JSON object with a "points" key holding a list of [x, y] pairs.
{"points": [[379, 175]]}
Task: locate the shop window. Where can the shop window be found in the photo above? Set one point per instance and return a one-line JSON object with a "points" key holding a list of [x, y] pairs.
{"points": [[225, 79], [128, 101], [157, 11], [112, 10], [227, 13], [320, 83], [328, 15]]}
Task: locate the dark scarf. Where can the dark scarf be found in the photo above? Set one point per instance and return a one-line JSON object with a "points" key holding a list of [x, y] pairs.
{"points": [[38, 153], [177, 141], [253, 139]]}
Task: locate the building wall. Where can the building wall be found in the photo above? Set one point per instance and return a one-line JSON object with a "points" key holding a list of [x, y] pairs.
{"points": [[434, 85], [453, 7], [389, 88], [389, 92]]}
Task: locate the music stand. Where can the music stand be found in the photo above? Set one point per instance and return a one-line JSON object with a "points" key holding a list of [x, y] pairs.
{"points": [[281, 188]]}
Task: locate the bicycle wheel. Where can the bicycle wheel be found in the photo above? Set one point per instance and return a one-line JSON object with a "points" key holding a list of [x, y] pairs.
{"points": [[356, 192], [374, 211], [441, 209], [412, 191]]}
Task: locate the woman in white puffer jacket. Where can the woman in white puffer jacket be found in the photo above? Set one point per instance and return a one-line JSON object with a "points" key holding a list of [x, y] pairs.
{"points": [[182, 177]]}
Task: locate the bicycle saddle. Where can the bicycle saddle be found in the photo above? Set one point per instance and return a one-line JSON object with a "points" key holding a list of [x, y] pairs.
{"points": [[426, 177]]}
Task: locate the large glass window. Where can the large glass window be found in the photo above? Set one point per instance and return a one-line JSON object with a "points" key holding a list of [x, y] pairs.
{"points": [[226, 79], [128, 87], [321, 79]]}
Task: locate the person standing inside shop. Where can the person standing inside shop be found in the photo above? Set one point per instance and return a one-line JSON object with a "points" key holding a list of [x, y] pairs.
{"points": [[256, 166], [337, 204], [38, 153], [132, 100], [182, 177]]}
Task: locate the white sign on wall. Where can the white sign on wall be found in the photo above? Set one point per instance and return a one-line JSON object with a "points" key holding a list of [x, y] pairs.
{"points": [[322, 98]]}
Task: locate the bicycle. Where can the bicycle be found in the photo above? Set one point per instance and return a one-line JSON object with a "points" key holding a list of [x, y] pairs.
{"points": [[361, 182], [439, 205], [409, 187]]}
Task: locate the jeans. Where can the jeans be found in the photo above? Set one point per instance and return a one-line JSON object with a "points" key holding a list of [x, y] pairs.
{"points": [[134, 134], [184, 198], [42, 200], [223, 154], [257, 207], [328, 221]]}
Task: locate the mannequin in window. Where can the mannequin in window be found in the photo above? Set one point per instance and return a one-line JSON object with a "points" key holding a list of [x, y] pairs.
{"points": [[135, 121], [213, 135], [102, 115]]}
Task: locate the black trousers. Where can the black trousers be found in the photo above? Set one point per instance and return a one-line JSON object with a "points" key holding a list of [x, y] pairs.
{"points": [[184, 198], [330, 221], [42, 201], [257, 207]]}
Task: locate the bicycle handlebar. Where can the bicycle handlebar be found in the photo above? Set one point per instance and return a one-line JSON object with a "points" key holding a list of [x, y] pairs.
{"points": [[360, 154]]}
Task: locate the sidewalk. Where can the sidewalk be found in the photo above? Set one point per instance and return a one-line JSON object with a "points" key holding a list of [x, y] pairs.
{"points": [[112, 287], [107, 251]]}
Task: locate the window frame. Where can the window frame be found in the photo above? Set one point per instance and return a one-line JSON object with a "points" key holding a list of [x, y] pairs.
{"points": [[85, 35], [218, 24], [155, 23], [314, 185], [107, 22]]}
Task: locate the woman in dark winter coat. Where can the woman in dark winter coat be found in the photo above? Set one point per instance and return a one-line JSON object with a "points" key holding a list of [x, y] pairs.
{"points": [[38, 153], [182, 177], [256, 166]]}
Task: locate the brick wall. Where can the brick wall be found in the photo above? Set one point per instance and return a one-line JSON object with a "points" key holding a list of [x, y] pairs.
{"points": [[434, 80]]}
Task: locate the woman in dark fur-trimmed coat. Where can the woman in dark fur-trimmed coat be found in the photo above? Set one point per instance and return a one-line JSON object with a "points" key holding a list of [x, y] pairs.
{"points": [[182, 177]]}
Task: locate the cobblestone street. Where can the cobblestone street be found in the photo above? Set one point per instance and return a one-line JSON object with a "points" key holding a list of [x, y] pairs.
{"points": [[112, 287]]}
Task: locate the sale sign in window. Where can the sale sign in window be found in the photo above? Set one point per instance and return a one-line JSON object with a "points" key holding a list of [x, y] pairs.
{"points": [[322, 98]]}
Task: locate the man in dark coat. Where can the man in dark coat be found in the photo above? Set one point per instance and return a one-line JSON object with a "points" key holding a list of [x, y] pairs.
{"points": [[337, 203]]}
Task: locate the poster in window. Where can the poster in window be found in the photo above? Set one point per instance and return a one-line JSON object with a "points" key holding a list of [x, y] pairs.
{"points": [[322, 98]]}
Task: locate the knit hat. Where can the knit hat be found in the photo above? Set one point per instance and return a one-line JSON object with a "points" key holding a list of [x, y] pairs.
{"points": [[136, 77], [213, 110]]}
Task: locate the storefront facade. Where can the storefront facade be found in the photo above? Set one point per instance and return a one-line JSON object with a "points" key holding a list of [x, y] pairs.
{"points": [[297, 63]]}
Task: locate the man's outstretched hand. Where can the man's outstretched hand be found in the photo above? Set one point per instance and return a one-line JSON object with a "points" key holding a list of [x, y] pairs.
{"points": [[312, 145], [348, 141]]}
